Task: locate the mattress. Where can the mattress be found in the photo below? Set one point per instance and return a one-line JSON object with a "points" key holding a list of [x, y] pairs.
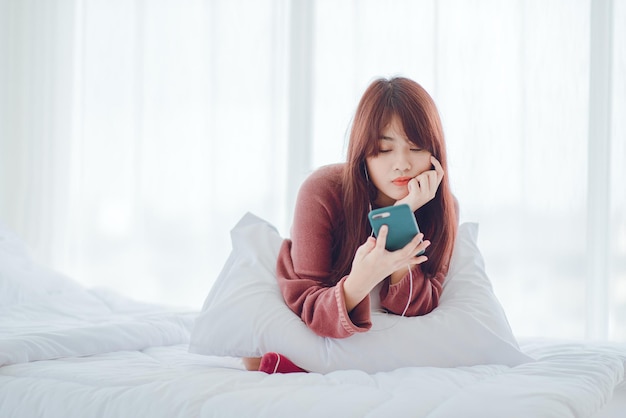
{"points": [[169, 382], [90, 353]]}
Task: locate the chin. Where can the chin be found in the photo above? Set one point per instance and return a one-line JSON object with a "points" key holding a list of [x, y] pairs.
{"points": [[391, 200], [400, 196]]}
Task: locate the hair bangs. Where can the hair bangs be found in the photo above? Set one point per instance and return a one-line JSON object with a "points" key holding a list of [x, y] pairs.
{"points": [[416, 123]]}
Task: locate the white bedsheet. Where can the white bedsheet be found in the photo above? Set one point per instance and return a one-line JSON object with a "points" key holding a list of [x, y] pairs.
{"points": [[88, 354], [169, 382]]}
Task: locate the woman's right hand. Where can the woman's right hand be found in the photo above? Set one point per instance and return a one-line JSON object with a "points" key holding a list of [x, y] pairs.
{"points": [[373, 263], [423, 187]]}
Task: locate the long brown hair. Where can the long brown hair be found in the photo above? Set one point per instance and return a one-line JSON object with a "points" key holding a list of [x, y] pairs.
{"points": [[437, 219]]}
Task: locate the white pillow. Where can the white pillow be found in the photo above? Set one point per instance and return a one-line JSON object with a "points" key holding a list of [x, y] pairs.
{"points": [[244, 315]]}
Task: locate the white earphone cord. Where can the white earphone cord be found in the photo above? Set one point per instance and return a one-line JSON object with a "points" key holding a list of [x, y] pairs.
{"points": [[406, 308], [408, 302]]}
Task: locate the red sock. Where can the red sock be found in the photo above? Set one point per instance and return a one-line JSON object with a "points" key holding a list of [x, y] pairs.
{"points": [[276, 363]]}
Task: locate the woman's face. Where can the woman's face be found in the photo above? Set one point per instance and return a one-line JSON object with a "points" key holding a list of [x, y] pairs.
{"points": [[397, 162]]}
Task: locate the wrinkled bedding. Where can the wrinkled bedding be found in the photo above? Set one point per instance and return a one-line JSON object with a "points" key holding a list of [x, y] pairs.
{"points": [[67, 351], [91, 353]]}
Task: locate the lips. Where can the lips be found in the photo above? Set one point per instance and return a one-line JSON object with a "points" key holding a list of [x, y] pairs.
{"points": [[401, 181]]}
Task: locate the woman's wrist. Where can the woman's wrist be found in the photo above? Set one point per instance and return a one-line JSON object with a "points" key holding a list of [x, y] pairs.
{"points": [[354, 292], [413, 204]]}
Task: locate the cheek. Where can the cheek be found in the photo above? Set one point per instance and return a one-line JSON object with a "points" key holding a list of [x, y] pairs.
{"points": [[422, 163], [375, 171], [373, 167]]}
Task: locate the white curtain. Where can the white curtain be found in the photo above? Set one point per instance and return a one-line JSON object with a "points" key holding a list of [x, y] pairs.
{"points": [[145, 130], [134, 134]]}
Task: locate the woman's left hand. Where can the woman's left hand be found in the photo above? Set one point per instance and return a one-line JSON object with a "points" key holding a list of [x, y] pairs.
{"points": [[423, 187]]}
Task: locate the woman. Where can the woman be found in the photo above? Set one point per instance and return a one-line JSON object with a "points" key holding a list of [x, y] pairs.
{"points": [[333, 270]]}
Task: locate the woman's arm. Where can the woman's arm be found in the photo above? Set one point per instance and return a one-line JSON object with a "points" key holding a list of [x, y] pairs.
{"points": [[424, 295], [322, 308], [373, 263], [305, 263]]}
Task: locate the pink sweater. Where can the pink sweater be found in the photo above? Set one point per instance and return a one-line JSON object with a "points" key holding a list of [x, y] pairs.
{"points": [[305, 265]]}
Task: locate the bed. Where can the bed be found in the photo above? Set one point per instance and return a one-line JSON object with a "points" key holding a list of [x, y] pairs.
{"points": [[69, 351]]}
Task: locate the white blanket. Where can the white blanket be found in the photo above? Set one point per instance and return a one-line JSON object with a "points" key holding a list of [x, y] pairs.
{"points": [[87, 354], [81, 323]]}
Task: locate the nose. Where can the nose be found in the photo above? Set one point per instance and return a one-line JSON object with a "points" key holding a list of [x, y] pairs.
{"points": [[402, 162]]}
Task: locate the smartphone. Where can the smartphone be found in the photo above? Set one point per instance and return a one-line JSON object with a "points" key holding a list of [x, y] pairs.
{"points": [[401, 223]]}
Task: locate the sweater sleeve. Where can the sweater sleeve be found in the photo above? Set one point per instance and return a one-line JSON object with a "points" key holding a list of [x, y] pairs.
{"points": [[424, 296], [305, 262]]}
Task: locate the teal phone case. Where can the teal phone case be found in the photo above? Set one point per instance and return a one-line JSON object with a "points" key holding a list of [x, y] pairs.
{"points": [[400, 221]]}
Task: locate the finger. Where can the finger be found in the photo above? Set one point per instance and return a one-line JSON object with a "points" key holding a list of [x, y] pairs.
{"points": [[410, 249], [417, 256], [381, 240], [437, 179], [421, 180], [428, 182], [368, 245], [438, 168], [422, 247], [419, 260], [365, 248], [433, 180]]}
